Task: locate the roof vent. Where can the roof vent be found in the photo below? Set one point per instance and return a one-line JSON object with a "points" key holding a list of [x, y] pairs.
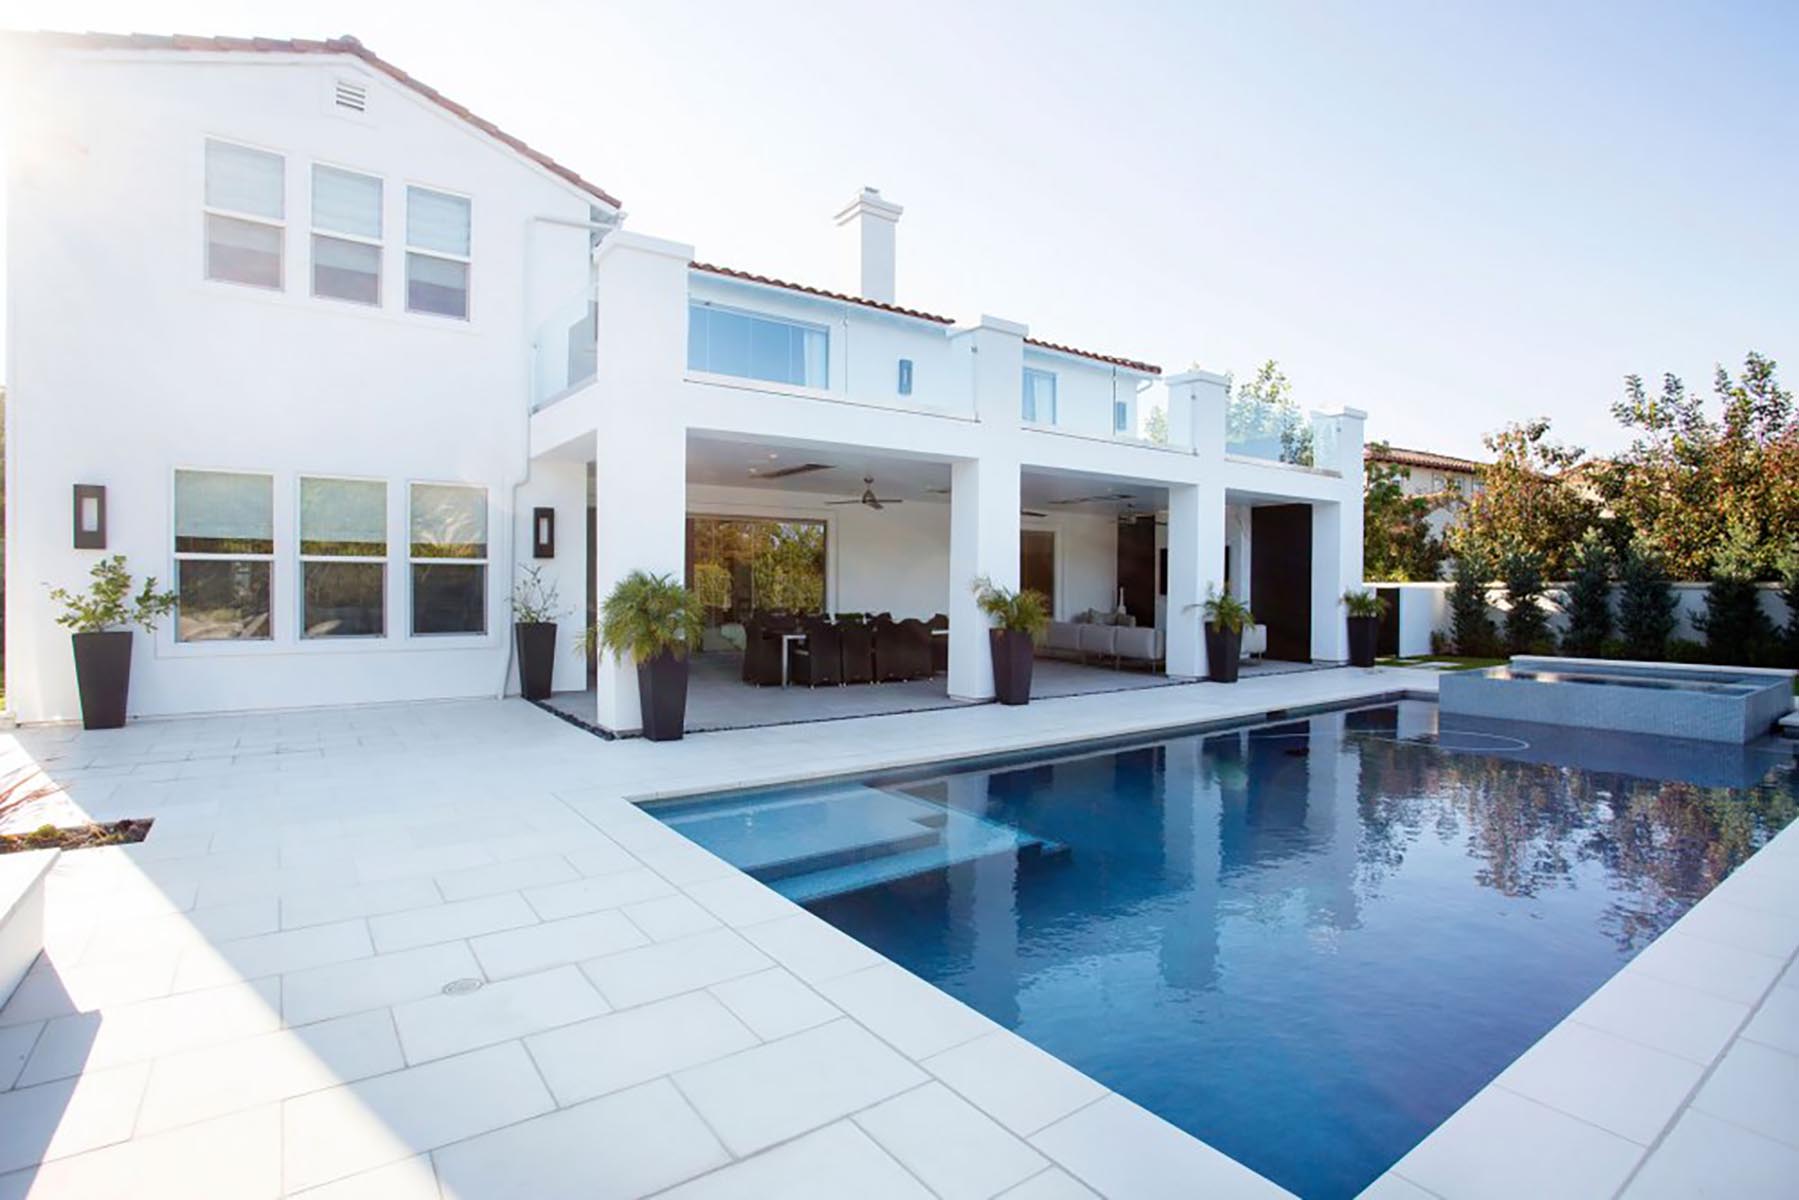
{"points": [[353, 96]]}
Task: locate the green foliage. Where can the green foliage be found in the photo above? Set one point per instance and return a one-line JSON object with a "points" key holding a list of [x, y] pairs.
{"points": [[1264, 411], [1737, 631], [1646, 604], [712, 584], [1015, 610], [1788, 567], [109, 602], [535, 602], [1469, 625], [645, 616], [1526, 501], [1226, 613], [1155, 426], [1363, 603], [1590, 598], [1397, 543], [1526, 624]]}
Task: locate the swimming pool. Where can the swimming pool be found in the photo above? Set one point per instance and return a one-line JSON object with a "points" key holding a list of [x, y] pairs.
{"points": [[1305, 942]]}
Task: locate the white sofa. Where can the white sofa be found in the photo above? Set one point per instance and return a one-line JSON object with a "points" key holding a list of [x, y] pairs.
{"points": [[1255, 641], [1084, 640]]}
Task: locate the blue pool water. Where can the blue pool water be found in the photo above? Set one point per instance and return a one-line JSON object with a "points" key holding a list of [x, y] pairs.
{"points": [[1306, 942]]}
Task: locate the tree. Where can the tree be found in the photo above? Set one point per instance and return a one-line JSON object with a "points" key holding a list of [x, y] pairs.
{"points": [[1524, 502], [1788, 565], [1155, 426], [1397, 543], [1590, 598], [1469, 624], [1263, 419], [1646, 604], [1526, 624], [1736, 629]]}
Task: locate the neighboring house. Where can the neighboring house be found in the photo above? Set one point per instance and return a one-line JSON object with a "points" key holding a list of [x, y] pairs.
{"points": [[1446, 479], [334, 346]]}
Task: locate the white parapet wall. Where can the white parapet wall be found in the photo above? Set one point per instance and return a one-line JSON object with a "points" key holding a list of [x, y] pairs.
{"points": [[21, 914]]}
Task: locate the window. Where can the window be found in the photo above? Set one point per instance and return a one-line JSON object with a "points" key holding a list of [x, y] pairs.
{"points": [[449, 558], [1039, 396], [346, 235], [245, 214], [905, 377], [224, 553], [1121, 416], [727, 342], [437, 253], [343, 558]]}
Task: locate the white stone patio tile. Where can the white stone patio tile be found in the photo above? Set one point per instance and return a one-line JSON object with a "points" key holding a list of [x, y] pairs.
{"points": [[818, 1166], [682, 862], [740, 900], [601, 857], [669, 918], [1757, 1087], [16, 1042], [327, 905], [1708, 966], [1502, 1146], [442, 1025], [614, 1052], [1703, 1156], [449, 922], [1120, 1149], [1013, 1081], [592, 894], [280, 882], [233, 1158], [779, 1089], [810, 948], [50, 989], [386, 979], [1753, 929], [774, 1004], [1618, 1085], [1392, 1187], [555, 943], [958, 1151], [1776, 1023], [211, 965], [70, 1116], [408, 1179], [668, 968], [353, 1128], [376, 866], [509, 876], [201, 1084], [621, 1146], [151, 1029], [916, 1018], [177, 931], [1667, 1016]]}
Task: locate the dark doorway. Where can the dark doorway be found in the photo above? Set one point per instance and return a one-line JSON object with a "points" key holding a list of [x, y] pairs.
{"points": [[1386, 644], [1137, 568], [593, 595], [1037, 563], [1280, 577]]}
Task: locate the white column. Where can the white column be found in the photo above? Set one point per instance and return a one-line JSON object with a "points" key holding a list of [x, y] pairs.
{"points": [[1195, 568], [1336, 532], [983, 540]]}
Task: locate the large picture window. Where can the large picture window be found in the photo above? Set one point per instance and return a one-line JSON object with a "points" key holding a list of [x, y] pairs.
{"points": [[738, 566], [343, 557], [346, 235], [246, 212], [437, 253], [750, 346], [224, 555], [448, 553]]}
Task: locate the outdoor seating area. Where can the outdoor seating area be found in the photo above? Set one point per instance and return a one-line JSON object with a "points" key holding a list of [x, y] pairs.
{"points": [[815, 650]]}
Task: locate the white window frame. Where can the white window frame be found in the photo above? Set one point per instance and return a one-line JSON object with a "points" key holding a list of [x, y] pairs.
{"points": [[181, 556], [1121, 416], [302, 558], [824, 331], [279, 225], [379, 243], [467, 260], [1024, 390], [485, 560]]}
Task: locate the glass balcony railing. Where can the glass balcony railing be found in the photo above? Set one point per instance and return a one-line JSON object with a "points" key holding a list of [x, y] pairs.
{"points": [[1277, 433], [564, 352]]}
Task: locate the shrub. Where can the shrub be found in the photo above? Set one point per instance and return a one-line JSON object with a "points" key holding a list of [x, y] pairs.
{"points": [[535, 602], [1225, 612], [1590, 598], [1736, 629], [1526, 624], [1646, 604], [109, 602], [1439, 643], [1685, 650], [1788, 567], [1361, 602], [1469, 625], [647, 615], [1013, 610]]}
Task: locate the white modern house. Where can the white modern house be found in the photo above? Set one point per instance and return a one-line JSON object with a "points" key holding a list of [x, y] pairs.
{"points": [[344, 358]]}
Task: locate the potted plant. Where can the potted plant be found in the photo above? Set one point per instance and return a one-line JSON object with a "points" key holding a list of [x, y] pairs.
{"points": [[655, 622], [1019, 617], [534, 611], [1365, 609], [1226, 619], [102, 649]]}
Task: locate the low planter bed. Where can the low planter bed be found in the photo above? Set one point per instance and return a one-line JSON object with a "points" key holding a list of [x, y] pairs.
{"points": [[75, 837], [21, 915]]}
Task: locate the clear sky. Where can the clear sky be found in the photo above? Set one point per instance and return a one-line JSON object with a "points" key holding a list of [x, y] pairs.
{"points": [[1452, 216]]}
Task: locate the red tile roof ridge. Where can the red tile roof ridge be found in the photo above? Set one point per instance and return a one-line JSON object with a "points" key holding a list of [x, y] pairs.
{"points": [[1128, 363], [770, 281]]}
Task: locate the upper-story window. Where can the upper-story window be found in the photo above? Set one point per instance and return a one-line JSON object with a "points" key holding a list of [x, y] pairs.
{"points": [[1121, 416], [752, 346], [437, 253], [246, 214], [1039, 396], [346, 235]]}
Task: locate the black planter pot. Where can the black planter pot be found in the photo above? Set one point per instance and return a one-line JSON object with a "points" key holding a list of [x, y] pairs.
{"points": [[1364, 635], [1013, 655], [1224, 654], [662, 693], [103, 674], [536, 641]]}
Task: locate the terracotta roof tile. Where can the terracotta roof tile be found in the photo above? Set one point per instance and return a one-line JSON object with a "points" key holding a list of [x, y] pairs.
{"points": [[1375, 452], [340, 45], [1130, 364], [747, 277]]}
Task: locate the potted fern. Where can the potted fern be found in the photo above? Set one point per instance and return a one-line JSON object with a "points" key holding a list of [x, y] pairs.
{"points": [[102, 648], [1364, 609], [1019, 616], [1226, 619], [656, 623], [535, 607]]}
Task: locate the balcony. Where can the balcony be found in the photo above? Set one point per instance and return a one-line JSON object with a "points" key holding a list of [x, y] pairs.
{"points": [[1273, 433], [564, 352]]}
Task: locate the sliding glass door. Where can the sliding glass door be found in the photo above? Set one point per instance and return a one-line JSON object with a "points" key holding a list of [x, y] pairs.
{"points": [[743, 565]]}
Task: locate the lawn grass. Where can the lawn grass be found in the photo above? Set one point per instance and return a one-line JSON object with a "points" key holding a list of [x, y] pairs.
{"points": [[1461, 662]]}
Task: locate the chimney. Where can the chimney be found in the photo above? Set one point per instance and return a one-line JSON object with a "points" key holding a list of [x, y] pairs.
{"points": [[868, 225]]}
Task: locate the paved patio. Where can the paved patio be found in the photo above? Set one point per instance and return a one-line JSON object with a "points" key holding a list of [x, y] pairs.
{"points": [[272, 995]]}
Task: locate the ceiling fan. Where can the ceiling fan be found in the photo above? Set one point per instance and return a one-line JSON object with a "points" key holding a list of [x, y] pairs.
{"points": [[1095, 499], [868, 496], [1023, 512]]}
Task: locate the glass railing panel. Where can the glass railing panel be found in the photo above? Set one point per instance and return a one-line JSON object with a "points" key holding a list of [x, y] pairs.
{"points": [[564, 349], [1275, 432]]}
